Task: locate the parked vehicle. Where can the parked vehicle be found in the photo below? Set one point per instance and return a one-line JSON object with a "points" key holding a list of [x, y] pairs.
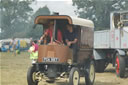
{"points": [[5, 45], [56, 60], [111, 46]]}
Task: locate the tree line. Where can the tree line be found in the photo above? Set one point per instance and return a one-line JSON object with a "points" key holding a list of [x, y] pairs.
{"points": [[17, 16], [99, 10]]}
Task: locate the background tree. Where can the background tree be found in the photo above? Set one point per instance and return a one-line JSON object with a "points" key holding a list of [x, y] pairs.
{"points": [[99, 10], [15, 16], [36, 33], [42, 11]]}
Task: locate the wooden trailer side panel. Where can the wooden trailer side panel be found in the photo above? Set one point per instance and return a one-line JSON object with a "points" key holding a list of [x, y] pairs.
{"points": [[124, 39], [102, 39]]}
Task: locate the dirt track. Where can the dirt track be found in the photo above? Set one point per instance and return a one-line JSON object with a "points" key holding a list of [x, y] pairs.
{"points": [[107, 78]]}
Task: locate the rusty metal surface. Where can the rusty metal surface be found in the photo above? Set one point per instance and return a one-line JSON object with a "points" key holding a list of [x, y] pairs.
{"points": [[84, 54], [87, 39]]}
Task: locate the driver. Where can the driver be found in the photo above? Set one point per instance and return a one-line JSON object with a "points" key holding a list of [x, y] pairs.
{"points": [[71, 40], [49, 33]]}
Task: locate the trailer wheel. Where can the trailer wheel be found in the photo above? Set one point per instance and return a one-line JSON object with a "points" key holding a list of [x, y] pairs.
{"points": [[100, 65], [31, 76], [90, 73], [74, 76], [120, 65]]}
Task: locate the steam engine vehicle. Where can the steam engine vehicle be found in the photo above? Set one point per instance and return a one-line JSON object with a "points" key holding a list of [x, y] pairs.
{"points": [[56, 60]]}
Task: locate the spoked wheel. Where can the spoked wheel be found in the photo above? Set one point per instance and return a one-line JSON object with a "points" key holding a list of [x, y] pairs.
{"points": [[32, 76], [90, 73], [120, 65], [74, 77]]}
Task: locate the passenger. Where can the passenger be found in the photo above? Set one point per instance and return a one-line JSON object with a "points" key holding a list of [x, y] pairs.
{"points": [[71, 40], [33, 50], [49, 33]]}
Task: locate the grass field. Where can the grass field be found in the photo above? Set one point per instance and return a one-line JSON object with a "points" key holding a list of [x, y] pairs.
{"points": [[13, 71], [14, 68]]}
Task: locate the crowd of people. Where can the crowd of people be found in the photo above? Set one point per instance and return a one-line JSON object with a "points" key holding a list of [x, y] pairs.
{"points": [[14, 45]]}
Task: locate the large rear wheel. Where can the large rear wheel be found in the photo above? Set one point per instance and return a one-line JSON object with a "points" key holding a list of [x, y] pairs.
{"points": [[90, 73], [120, 65], [74, 77]]}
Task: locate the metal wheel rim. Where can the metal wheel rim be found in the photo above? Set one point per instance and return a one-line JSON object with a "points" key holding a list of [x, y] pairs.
{"points": [[92, 73], [76, 78], [34, 77], [117, 65]]}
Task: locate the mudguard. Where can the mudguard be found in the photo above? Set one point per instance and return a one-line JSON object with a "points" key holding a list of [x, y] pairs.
{"points": [[99, 54], [121, 52]]}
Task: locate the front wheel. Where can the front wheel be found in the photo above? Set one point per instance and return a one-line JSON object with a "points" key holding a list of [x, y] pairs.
{"points": [[120, 65], [74, 77], [31, 76], [90, 73]]}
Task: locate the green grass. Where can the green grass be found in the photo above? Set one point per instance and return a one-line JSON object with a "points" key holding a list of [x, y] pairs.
{"points": [[13, 71], [13, 68]]}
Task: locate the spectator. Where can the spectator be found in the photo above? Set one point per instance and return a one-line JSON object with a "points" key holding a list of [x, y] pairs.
{"points": [[33, 50], [13, 45]]}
